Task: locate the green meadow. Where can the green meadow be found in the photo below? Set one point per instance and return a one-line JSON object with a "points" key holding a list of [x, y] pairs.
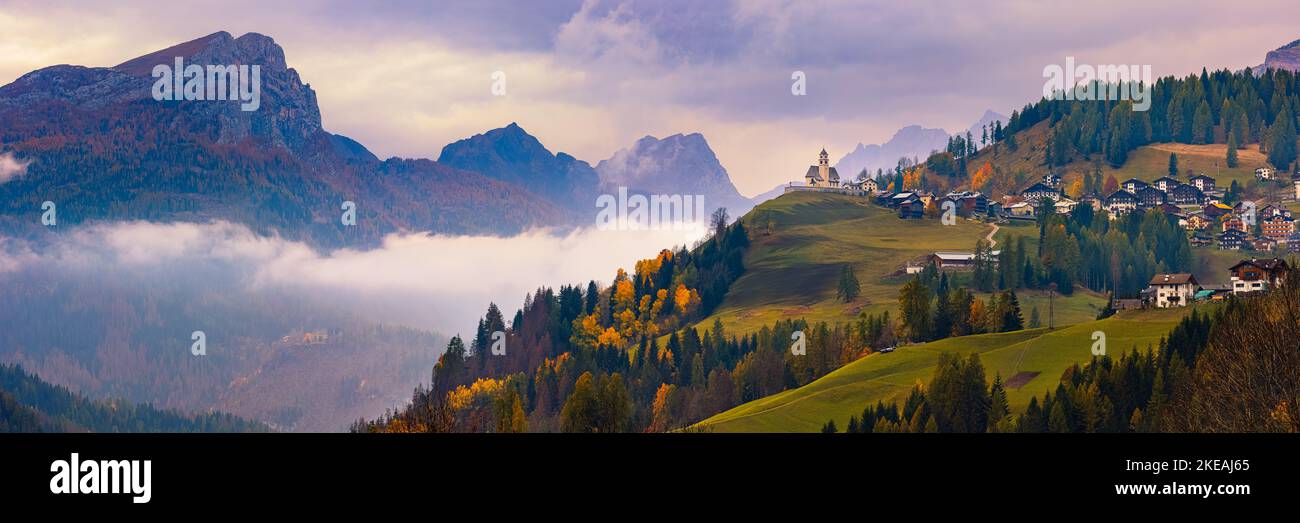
{"points": [[1038, 357], [793, 268]]}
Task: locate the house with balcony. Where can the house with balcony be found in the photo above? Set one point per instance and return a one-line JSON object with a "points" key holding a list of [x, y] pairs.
{"points": [[1231, 240], [1133, 184], [1149, 197], [1277, 227], [1202, 182], [1121, 202], [1172, 290], [1165, 183], [1257, 275], [1185, 194]]}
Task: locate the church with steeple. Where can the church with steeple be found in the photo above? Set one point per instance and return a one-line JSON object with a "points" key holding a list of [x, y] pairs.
{"points": [[822, 174]]}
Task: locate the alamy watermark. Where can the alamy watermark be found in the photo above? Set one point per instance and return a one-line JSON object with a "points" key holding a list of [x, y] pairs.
{"points": [[77, 476], [1100, 82], [1098, 343], [214, 82], [653, 212]]}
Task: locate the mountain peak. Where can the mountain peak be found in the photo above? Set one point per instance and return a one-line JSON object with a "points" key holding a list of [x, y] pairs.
{"points": [[143, 65], [1286, 57], [287, 114], [217, 48], [512, 155], [677, 164], [987, 118]]}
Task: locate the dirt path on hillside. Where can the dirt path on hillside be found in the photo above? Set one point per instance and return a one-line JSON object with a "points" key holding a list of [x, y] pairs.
{"points": [[992, 242]]}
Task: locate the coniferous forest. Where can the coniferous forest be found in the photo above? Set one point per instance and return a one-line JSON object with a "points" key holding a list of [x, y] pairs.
{"points": [[1218, 107]]}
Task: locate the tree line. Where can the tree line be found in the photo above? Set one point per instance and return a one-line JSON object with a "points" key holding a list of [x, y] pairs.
{"points": [[1086, 249], [1221, 107], [931, 308]]}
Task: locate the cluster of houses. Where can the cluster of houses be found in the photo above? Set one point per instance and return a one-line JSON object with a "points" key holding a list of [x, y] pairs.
{"points": [[1196, 203], [1166, 191], [1177, 290], [912, 204]]}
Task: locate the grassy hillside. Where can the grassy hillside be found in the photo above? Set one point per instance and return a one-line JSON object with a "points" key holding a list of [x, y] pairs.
{"points": [[792, 271], [889, 377]]}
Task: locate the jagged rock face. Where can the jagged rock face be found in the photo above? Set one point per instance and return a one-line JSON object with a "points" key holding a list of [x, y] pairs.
{"points": [[678, 164], [1286, 57], [287, 117]]}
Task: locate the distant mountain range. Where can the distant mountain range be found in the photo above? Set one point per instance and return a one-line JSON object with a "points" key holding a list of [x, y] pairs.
{"points": [[95, 142], [98, 145], [912, 141]]}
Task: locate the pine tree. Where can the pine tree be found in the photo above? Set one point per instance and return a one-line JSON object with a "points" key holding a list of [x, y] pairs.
{"points": [[1231, 159], [1057, 421], [1013, 321], [848, 288], [942, 312], [999, 408], [593, 297], [1173, 165], [1203, 124], [914, 304], [1282, 136]]}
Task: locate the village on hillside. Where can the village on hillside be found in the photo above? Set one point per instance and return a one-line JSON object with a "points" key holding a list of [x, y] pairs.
{"points": [[1198, 205]]}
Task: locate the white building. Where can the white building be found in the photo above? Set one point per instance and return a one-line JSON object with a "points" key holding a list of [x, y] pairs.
{"points": [[1173, 290]]}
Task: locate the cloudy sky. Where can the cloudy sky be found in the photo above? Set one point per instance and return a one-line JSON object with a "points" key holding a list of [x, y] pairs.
{"points": [[590, 77]]}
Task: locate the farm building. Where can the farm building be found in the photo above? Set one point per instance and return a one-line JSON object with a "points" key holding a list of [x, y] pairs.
{"points": [[956, 260]]}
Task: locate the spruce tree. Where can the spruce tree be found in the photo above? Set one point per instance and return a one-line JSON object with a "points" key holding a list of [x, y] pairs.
{"points": [[848, 288], [999, 407], [1231, 159], [1282, 136], [1203, 124]]}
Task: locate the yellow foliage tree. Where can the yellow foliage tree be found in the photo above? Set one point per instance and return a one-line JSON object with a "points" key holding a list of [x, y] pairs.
{"points": [[977, 315], [1075, 189], [661, 417], [611, 337], [982, 177], [912, 178]]}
